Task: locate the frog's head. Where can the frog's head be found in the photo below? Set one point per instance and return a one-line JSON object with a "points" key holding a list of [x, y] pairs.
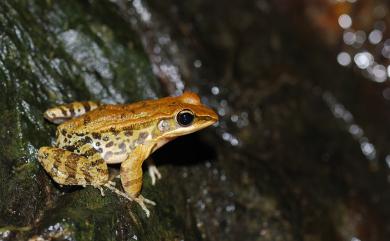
{"points": [[188, 115]]}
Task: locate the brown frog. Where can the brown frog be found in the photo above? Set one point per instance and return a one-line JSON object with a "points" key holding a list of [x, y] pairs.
{"points": [[92, 136]]}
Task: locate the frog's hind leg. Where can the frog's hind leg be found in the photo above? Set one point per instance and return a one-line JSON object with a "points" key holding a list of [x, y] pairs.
{"points": [[62, 113], [68, 168]]}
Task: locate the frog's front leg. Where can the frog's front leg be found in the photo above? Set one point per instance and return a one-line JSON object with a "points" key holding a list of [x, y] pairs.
{"points": [[153, 172], [68, 168], [131, 176]]}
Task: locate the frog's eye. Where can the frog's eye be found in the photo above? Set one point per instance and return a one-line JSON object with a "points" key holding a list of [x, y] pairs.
{"points": [[185, 117]]}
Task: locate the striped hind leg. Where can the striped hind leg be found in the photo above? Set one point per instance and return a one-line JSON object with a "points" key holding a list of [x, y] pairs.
{"points": [[68, 168], [62, 113]]}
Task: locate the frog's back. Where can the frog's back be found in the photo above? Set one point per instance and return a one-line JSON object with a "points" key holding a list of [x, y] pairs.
{"points": [[121, 116], [129, 116]]}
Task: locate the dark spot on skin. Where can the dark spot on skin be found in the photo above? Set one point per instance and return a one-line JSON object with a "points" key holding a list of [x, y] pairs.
{"points": [[132, 146], [88, 139], [96, 136], [110, 144], [108, 155], [87, 107], [70, 148], [66, 139], [69, 136], [63, 132], [86, 120], [83, 141], [70, 167], [57, 153], [97, 162], [114, 131], [122, 146], [63, 111], [106, 138], [87, 175], [80, 134], [100, 150], [142, 137], [128, 133], [71, 109], [97, 143], [90, 152]]}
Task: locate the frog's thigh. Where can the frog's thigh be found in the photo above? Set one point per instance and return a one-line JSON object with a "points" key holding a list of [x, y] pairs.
{"points": [[68, 168], [61, 113]]}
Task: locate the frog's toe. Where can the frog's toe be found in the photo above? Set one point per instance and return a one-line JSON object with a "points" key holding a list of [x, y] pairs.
{"points": [[111, 186], [142, 201], [148, 201], [154, 173], [111, 183], [101, 190]]}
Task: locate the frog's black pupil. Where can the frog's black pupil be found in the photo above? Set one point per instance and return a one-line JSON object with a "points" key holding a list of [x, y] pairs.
{"points": [[185, 118]]}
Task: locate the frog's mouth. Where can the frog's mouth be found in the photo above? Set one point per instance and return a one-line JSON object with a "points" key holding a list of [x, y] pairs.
{"points": [[200, 122]]}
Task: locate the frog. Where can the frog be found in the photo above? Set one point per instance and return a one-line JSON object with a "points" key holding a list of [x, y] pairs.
{"points": [[91, 135]]}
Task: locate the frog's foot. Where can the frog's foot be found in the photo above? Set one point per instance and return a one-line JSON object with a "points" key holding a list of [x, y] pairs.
{"points": [[154, 173], [100, 189], [111, 183], [142, 201]]}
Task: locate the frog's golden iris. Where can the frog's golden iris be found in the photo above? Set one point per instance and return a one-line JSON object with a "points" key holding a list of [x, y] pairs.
{"points": [[185, 117]]}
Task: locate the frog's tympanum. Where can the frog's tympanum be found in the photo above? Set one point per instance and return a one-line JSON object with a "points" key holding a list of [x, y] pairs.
{"points": [[91, 136]]}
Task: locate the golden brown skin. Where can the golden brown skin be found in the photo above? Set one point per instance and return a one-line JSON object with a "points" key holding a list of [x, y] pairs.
{"points": [[93, 136]]}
